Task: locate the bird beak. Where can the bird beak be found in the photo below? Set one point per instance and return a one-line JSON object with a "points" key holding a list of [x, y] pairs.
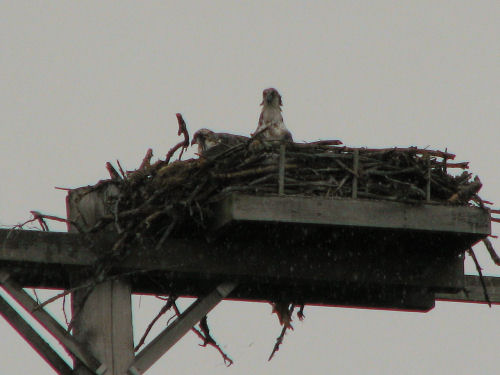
{"points": [[269, 98], [194, 141]]}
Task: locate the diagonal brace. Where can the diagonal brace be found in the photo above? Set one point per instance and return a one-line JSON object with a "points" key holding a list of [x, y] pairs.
{"points": [[174, 332], [34, 339], [51, 325]]}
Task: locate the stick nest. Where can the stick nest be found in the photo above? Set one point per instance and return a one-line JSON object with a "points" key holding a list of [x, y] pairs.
{"points": [[158, 200]]}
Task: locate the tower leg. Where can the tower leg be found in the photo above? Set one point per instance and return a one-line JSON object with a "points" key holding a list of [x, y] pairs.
{"points": [[104, 324]]}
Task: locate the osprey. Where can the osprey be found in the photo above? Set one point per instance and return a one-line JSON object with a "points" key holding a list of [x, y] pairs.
{"points": [[211, 144], [271, 126]]}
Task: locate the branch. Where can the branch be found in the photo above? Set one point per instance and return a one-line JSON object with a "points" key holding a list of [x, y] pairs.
{"points": [[491, 250], [279, 339], [164, 309], [481, 278], [123, 174], [416, 150], [146, 162], [206, 337], [115, 176], [183, 144]]}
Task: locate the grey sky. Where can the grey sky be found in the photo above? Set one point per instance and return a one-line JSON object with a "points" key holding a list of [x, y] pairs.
{"points": [[82, 83]]}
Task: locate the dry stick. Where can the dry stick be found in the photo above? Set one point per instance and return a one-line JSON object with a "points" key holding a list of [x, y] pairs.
{"points": [[493, 218], [207, 340], [279, 339], [415, 150], [481, 278], [112, 172], [445, 161], [346, 167], [61, 295], [184, 144], [494, 256], [66, 320], [165, 235], [146, 162], [163, 310], [355, 167], [428, 184], [464, 165], [124, 176], [326, 142], [39, 217], [341, 184], [253, 171], [495, 211]]}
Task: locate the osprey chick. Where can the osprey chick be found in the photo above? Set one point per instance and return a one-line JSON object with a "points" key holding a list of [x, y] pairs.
{"points": [[211, 144], [271, 126]]}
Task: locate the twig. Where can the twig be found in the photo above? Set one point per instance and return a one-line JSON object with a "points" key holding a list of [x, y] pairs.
{"points": [[40, 218], [207, 340], [146, 162], [164, 309], [112, 172], [494, 256], [167, 232], [253, 171], [481, 278], [66, 320], [183, 144], [355, 168], [415, 150], [124, 176], [279, 341]]}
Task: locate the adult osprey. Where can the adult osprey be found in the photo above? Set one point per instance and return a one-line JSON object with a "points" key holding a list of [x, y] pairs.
{"points": [[211, 144], [271, 126]]}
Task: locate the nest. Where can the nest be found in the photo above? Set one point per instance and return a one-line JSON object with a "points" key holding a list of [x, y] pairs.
{"points": [[158, 200]]}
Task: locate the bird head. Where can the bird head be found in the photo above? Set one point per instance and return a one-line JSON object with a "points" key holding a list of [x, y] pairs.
{"points": [[200, 136], [271, 96]]}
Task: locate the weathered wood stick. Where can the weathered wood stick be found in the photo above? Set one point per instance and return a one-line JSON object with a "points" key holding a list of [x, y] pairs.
{"points": [[253, 171], [494, 256], [112, 172], [415, 150], [463, 165], [355, 167], [481, 278], [146, 161], [183, 144]]}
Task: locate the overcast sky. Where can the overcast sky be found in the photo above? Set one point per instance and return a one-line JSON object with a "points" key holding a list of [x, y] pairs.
{"points": [[82, 83]]}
